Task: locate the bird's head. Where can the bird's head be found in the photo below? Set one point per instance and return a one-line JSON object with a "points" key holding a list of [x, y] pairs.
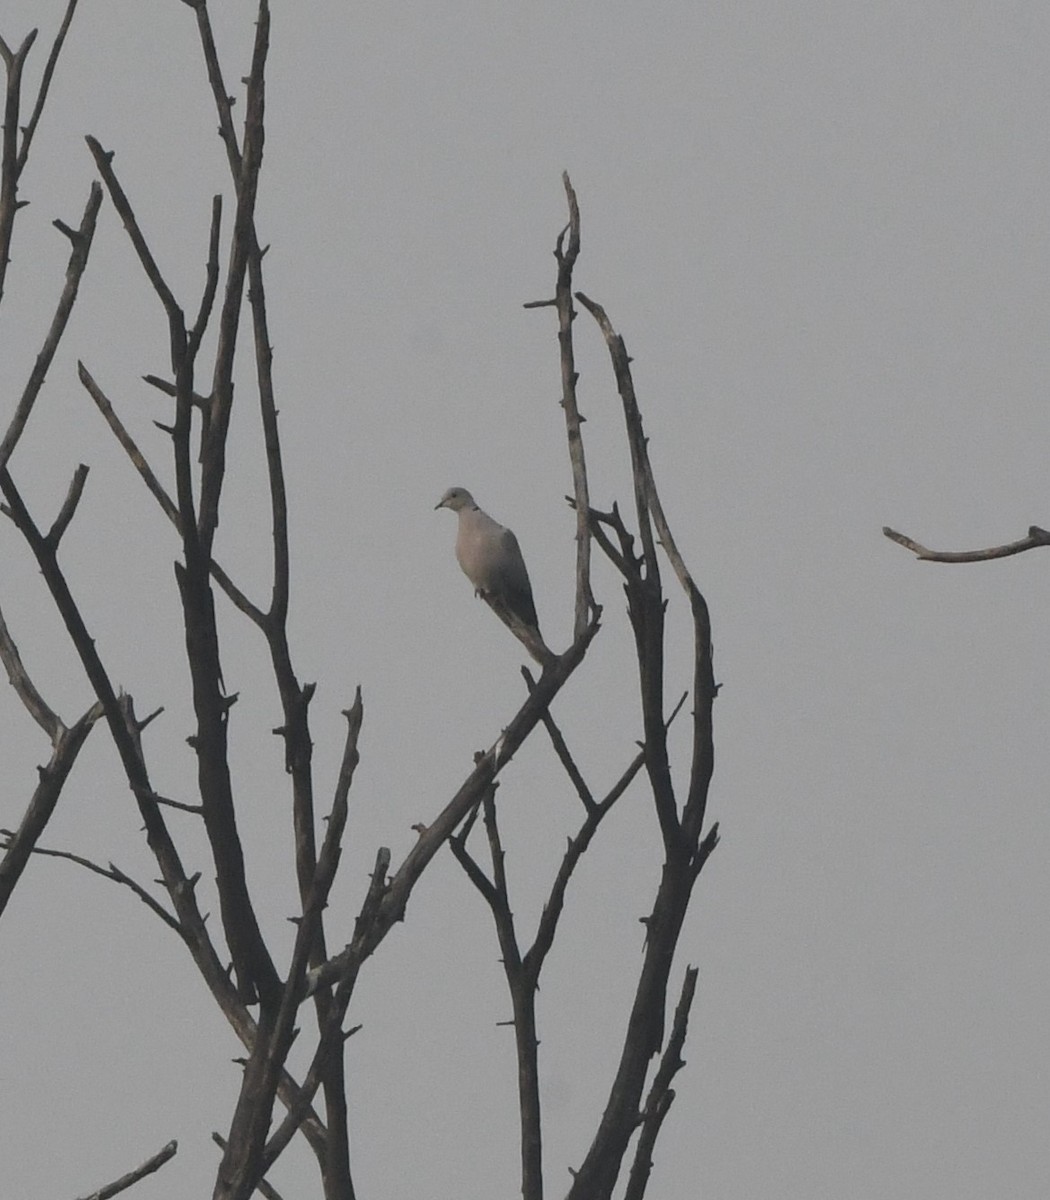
{"points": [[456, 498]]}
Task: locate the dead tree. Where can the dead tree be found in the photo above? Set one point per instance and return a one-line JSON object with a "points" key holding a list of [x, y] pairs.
{"points": [[267, 1001]]}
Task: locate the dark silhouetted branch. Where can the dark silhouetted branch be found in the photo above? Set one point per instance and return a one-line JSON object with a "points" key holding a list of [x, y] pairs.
{"points": [[116, 875], [264, 1189], [156, 489], [81, 239], [661, 1095], [69, 506], [29, 129], [66, 744]]}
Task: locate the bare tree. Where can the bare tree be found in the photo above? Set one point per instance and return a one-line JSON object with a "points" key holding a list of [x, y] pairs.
{"points": [[268, 1002]]}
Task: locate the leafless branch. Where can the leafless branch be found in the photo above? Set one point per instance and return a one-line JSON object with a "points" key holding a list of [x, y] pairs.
{"points": [[125, 737], [213, 442], [14, 62], [111, 872], [78, 258], [684, 854], [521, 986], [19, 679], [561, 749], [104, 163], [389, 907], [153, 1163], [69, 506], [566, 252], [156, 488], [262, 1187], [21, 844], [577, 846], [1036, 537], [661, 1095], [211, 280], [45, 84]]}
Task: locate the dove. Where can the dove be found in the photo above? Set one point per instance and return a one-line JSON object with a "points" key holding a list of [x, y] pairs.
{"points": [[491, 559]]}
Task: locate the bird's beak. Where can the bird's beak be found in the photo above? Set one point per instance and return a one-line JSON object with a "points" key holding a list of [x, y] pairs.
{"points": [[440, 504]]}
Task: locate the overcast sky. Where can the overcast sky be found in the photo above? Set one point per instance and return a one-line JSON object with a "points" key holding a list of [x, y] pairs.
{"points": [[822, 229]]}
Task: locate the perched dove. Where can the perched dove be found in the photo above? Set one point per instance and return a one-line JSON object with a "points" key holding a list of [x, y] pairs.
{"points": [[491, 559]]}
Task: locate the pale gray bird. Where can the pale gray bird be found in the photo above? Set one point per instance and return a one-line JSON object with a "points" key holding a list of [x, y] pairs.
{"points": [[491, 558]]}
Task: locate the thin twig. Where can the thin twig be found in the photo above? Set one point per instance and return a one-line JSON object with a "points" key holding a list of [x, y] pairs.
{"points": [[69, 506], [211, 280], [112, 873], [104, 163], [156, 489], [81, 239], [45, 83], [552, 909], [34, 703]]}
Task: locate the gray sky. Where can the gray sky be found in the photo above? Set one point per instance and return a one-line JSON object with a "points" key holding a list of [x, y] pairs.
{"points": [[822, 230]]}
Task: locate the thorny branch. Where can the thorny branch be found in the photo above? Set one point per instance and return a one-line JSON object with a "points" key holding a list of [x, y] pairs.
{"points": [[661, 1094], [254, 1143], [81, 239], [680, 823]]}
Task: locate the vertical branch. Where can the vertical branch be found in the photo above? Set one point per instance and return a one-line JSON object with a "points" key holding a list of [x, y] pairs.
{"points": [[521, 983], [295, 698], [252, 961], [14, 61], [566, 254], [216, 428], [45, 85], [684, 854], [644, 595], [661, 1094]]}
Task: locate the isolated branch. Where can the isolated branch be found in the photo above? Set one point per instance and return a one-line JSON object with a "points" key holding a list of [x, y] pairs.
{"points": [[1036, 537]]}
